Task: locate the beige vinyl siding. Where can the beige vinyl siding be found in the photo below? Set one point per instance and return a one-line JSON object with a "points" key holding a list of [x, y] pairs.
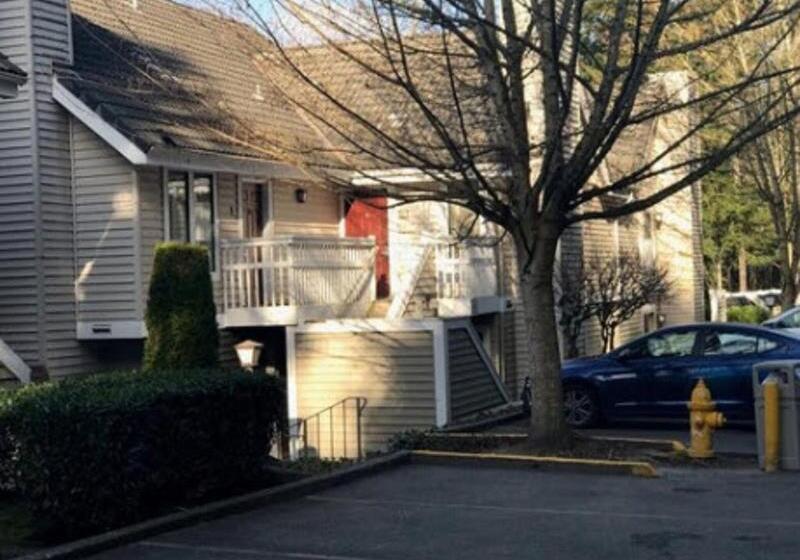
{"points": [[697, 243], [228, 226], [105, 234], [472, 388], [65, 355], [393, 371], [19, 289], [151, 221], [319, 215]]}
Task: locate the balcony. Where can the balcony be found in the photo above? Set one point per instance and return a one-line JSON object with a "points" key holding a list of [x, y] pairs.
{"points": [[290, 279], [446, 278], [466, 278]]}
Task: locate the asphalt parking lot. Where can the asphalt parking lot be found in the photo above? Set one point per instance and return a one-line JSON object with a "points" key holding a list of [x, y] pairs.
{"points": [[459, 512]]}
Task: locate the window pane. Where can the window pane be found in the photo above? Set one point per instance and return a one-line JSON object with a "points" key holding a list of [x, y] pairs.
{"points": [[728, 343], [671, 344], [178, 206], [793, 320], [204, 213], [765, 345]]}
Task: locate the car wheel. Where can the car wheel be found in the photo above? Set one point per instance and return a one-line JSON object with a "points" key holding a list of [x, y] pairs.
{"points": [[581, 407]]}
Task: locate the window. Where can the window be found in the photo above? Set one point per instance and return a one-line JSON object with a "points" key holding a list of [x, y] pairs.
{"points": [[732, 343], [178, 206], [791, 320], [672, 344], [203, 214], [190, 209]]}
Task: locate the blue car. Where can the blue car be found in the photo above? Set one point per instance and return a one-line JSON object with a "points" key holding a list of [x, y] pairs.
{"points": [[653, 376]]}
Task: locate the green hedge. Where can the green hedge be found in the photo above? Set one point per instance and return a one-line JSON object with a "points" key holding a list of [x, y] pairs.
{"points": [[181, 316], [99, 452], [747, 314]]}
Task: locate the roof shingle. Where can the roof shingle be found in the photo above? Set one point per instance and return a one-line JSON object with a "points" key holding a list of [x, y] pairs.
{"points": [[170, 76]]}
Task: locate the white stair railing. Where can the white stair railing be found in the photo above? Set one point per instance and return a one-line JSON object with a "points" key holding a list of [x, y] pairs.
{"points": [[466, 269], [400, 301]]}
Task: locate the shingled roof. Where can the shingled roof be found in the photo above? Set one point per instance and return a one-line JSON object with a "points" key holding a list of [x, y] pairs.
{"points": [[11, 71], [366, 102], [173, 77], [170, 76]]}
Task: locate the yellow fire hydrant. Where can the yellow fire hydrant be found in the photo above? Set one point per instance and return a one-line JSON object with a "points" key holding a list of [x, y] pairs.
{"points": [[703, 420]]}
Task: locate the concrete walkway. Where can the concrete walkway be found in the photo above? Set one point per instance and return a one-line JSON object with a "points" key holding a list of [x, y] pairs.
{"points": [[456, 512]]}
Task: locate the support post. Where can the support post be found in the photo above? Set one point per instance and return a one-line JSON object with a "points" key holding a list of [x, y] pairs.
{"points": [[772, 424]]}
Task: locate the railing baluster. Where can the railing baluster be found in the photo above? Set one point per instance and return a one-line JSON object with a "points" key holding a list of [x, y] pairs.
{"points": [[294, 271]]}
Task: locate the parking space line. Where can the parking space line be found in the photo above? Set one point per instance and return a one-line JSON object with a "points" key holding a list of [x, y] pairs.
{"points": [[247, 551], [562, 512]]}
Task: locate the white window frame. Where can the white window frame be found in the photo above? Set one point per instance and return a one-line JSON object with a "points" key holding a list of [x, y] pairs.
{"points": [[215, 272]]}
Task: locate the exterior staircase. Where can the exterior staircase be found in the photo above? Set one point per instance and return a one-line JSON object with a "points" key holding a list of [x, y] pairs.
{"points": [[379, 308]]}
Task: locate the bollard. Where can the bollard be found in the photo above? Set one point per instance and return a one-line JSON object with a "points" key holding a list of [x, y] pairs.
{"points": [[772, 424]]}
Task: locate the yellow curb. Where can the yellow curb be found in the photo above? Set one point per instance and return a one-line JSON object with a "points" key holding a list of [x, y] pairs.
{"points": [[635, 468], [479, 435], [676, 445]]}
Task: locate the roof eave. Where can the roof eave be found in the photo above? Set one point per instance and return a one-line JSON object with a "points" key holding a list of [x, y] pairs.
{"points": [[171, 157]]}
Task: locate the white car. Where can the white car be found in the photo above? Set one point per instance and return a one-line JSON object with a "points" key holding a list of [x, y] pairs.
{"points": [[789, 321]]}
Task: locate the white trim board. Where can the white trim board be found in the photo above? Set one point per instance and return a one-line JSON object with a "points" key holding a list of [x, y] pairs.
{"points": [[412, 175], [110, 330], [291, 389], [441, 374], [370, 325], [181, 159], [14, 363]]}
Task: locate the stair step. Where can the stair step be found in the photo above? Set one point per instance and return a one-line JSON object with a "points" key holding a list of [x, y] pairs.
{"points": [[379, 308]]}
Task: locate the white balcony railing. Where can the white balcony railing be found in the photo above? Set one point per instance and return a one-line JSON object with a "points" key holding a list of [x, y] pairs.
{"points": [[466, 269], [272, 280]]}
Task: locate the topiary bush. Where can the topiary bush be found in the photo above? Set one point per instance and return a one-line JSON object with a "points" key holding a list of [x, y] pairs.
{"points": [[747, 314], [100, 452], [181, 316]]}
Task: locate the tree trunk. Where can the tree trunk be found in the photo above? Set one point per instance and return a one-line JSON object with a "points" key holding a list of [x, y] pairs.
{"points": [[742, 270], [788, 277], [548, 425]]}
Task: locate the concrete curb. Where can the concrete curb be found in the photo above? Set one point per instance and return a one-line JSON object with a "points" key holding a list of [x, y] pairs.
{"points": [[604, 466], [117, 537], [664, 444], [484, 423]]}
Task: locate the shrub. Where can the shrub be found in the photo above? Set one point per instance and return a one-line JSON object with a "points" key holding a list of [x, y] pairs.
{"points": [[181, 316], [99, 452], [747, 314]]}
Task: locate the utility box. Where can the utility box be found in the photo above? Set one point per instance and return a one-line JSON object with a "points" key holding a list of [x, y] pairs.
{"points": [[788, 375]]}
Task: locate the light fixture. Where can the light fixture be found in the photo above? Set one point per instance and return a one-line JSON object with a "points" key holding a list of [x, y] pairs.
{"points": [[301, 195], [248, 353]]}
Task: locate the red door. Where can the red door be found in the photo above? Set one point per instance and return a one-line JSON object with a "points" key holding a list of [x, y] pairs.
{"points": [[368, 217]]}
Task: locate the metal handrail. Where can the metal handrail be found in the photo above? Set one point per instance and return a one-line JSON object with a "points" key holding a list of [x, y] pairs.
{"points": [[360, 404]]}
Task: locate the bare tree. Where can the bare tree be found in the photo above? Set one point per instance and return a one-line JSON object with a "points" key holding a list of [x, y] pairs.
{"points": [[513, 110], [615, 289], [771, 163], [573, 309]]}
